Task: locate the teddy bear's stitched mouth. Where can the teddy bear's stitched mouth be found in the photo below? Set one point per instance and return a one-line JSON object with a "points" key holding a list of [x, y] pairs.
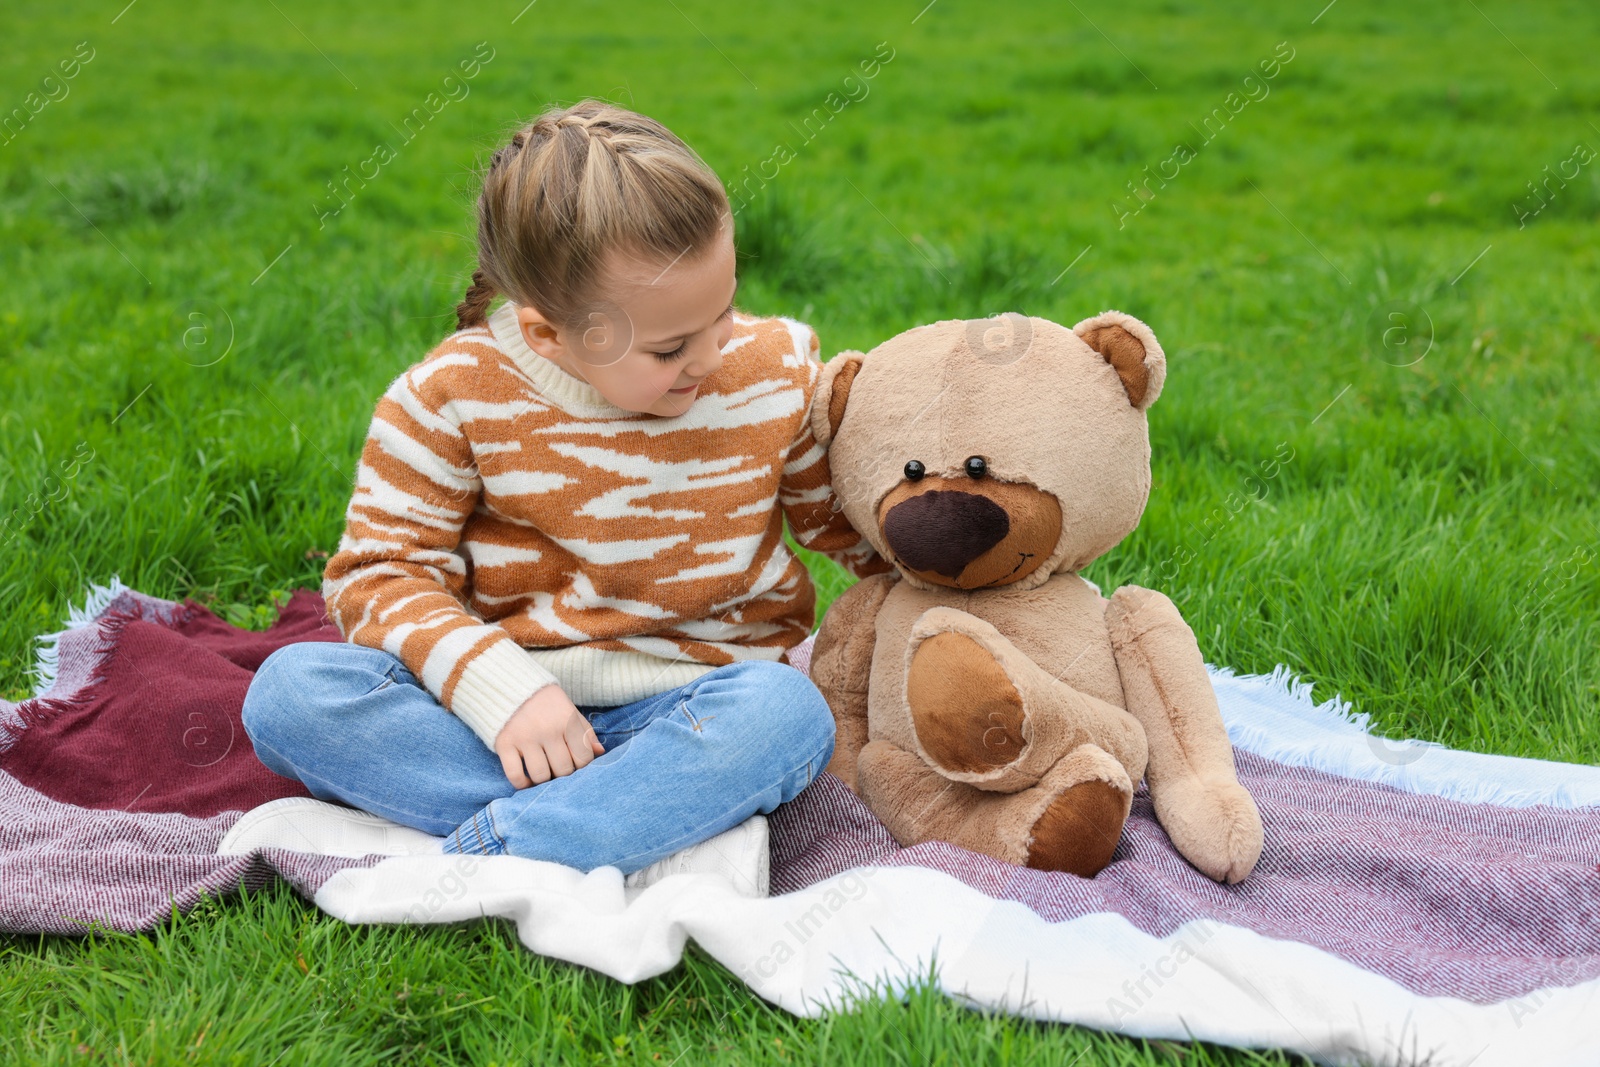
{"points": [[1022, 558]]}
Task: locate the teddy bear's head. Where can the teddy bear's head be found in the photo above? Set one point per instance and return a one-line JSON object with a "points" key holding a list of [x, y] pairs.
{"points": [[980, 453]]}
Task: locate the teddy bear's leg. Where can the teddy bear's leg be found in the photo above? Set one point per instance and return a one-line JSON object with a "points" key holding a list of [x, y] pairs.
{"points": [[1070, 821], [1212, 819], [985, 713]]}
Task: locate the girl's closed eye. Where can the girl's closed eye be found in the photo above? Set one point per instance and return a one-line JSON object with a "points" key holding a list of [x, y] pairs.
{"points": [[668, 357]]}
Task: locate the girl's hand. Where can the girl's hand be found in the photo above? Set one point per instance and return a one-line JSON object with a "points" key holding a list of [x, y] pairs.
{"points": [[548, 736]]}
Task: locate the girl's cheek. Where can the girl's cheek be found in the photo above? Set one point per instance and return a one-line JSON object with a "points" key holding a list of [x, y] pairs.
{"points": [[642, 393], [658, 384]]}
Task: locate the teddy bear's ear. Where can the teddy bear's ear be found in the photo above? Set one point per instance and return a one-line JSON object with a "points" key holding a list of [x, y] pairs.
{"points": [[1131, 349], [832, 393]]}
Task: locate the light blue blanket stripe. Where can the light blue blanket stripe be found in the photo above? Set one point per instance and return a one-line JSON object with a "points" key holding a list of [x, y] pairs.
{"points": [[1273, 716]]}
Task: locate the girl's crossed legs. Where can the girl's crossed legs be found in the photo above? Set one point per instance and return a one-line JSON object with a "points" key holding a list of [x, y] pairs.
{"points": [[354, 725]]}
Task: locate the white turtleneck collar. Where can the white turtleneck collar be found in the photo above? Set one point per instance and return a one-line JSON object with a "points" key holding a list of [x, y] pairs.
{"points": [[571, 394]]}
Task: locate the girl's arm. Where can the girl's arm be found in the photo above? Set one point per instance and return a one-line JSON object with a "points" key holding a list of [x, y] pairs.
{"points": [[396, 582], [809, 504]]}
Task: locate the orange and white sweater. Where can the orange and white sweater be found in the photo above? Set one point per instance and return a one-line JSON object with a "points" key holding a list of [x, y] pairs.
{"points": [[510, 528]]}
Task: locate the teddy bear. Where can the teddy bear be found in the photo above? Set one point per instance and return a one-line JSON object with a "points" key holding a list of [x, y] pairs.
{"points": [[984, 693]]}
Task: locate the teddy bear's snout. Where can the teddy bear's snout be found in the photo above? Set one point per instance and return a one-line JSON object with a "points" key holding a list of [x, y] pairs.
{"points": [[944, 530]]}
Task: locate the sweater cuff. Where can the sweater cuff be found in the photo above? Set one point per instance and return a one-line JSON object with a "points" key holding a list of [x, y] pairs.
{"points": [[493, 685]]}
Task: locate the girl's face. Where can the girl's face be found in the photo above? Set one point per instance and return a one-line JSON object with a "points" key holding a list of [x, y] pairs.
{"points": [[660, 333]]}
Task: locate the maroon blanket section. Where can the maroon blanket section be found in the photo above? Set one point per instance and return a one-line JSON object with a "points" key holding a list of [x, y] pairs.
{"points": [[157, 726]]}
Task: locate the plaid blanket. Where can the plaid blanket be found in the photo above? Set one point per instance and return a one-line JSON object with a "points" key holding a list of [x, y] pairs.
{"points": [[1393, 876]]}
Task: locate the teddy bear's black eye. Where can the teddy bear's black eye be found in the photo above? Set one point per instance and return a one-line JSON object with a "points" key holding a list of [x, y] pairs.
{"points": [[915, 470], [976, 467]]}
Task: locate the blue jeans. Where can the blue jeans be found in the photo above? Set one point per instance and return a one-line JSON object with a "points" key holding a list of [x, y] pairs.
{"points": [[354, 725]]}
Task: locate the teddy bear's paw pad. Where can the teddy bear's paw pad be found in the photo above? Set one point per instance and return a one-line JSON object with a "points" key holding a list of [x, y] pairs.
{"points": [[1080, 829], [967, 713]]}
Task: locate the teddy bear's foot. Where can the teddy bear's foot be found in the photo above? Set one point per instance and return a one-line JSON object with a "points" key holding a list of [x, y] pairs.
{"points": [[986, 714], [1080, 829], [1071, 821]]}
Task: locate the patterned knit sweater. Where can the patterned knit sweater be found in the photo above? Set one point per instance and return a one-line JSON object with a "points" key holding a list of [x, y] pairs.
{"points": [[510, 528]]}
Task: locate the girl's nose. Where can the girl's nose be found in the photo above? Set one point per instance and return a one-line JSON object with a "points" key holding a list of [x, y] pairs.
{"points": [[706, 361]]}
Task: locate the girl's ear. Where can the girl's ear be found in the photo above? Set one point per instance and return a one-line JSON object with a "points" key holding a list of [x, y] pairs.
{"points": [[832, 393], [538, 334]]}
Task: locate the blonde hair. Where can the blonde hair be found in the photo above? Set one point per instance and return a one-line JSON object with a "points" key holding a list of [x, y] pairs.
{"points": [[573, 185]]}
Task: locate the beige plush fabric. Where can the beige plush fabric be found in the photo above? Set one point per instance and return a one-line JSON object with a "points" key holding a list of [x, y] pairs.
{"points": [[987, 695]]}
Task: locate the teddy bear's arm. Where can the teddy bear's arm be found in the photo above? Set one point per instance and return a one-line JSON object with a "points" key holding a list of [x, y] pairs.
{"points": [[841, 664], [1211, 818]]}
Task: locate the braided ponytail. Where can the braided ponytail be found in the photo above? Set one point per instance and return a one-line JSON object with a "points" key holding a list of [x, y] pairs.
{"points": [[570, 187], [474, 307]]}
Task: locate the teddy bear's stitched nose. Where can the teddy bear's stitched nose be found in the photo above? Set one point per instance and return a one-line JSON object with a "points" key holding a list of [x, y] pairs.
{"points": [[944, 530]]}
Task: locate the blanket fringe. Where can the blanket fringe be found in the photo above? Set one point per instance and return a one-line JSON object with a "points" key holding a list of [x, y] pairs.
{"points": [[1333, 738], [1289, 694], [48, 658], [1284, 683], [108, 624], [106, 610]]}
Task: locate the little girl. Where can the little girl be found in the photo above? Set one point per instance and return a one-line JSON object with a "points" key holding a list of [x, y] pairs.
{"points": [[563, 582]]}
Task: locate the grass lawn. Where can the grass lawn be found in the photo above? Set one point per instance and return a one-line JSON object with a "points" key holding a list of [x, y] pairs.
{"points": [[1375, 457]]}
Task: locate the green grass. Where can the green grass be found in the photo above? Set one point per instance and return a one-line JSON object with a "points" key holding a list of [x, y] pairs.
{"points": [[175, 415]]}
